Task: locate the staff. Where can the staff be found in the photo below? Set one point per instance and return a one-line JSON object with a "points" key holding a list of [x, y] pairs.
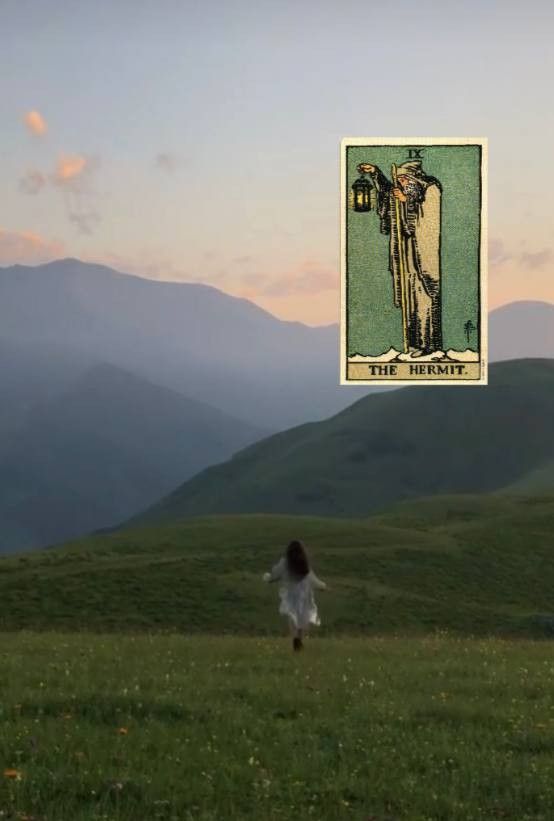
{"points": [[401, 262]]}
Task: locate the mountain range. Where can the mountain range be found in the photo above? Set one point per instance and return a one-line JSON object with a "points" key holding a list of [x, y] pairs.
{"points": [[206, 344], [189, 337], [117, 389]]}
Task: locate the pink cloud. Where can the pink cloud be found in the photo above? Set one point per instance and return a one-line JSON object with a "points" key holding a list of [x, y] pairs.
{"points": [[70, 168], [36, 123], [27, 248], [72, 176], [309, 277]]}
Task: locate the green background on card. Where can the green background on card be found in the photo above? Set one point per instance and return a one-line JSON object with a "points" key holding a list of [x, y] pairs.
{"points": [[374, 324]]}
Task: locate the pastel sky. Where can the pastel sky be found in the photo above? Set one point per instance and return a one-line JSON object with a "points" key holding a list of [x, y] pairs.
{"points": [[200, 141]]}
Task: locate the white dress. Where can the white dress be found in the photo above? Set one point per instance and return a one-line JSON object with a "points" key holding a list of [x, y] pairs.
{"points": [[297, 595]]}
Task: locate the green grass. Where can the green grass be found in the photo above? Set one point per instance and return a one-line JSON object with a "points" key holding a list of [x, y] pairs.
{"points": [[421, 697], [471, 564], [431, 729]]}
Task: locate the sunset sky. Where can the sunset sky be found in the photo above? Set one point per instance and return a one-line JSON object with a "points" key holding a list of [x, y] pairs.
{"points": [[200, 142]]}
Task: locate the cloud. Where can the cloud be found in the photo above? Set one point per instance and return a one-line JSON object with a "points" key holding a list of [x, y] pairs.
{"points": [[36, 123], [497, 252], [33, 182], [85, 220], [27, 248], [73, 177], [309, 277], [144, 263], [532, 260], [537, 259], [167, 162], [69, 169]]}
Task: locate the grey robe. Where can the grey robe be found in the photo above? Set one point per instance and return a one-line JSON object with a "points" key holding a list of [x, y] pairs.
{"points": [[420, 222]]}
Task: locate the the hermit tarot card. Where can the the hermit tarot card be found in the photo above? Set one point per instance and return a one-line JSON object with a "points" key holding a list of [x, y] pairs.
{"points": [[413, 261]]}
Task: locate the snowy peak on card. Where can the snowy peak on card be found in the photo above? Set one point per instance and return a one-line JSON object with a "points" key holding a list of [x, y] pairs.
{"points": [[392, 355]]}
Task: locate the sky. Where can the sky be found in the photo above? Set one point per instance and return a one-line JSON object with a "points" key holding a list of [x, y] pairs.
{"points": [[201, 142]]}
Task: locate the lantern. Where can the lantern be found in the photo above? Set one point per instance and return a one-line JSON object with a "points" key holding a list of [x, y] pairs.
{"points": [[362, 189]]}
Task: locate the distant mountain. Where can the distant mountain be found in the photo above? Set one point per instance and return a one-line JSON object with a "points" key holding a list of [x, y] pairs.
{"points": [[31, 373], [520, 330], [208, 345], [59, 321], [191, 338], [416, 441], [107, 446]]}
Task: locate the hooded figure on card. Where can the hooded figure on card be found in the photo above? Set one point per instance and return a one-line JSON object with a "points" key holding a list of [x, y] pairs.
{"points": [[409, 209]]}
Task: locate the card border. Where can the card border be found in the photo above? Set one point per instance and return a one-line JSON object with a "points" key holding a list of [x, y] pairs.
{"points": [[483, 257]]}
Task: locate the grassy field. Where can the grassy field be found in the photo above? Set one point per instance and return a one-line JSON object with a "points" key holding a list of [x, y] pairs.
{"points": [[138, 728], [421, 698], [475, 565]]}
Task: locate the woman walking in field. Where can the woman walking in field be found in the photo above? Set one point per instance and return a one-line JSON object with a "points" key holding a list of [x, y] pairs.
{"points": [[296, 591]]}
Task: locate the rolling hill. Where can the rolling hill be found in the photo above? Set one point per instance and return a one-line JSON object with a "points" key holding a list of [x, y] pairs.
{"points": [[417, 441], [106, 446], [470, 564]]}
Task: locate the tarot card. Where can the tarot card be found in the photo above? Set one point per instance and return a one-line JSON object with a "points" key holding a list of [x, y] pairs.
{"points": [[413, 261]]}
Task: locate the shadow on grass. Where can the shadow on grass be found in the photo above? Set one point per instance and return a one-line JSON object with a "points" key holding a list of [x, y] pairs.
{"points": [[455, 718], [109, 710]]}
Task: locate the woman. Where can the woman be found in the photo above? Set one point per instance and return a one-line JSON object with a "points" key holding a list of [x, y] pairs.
{"points": [[296, 592]]}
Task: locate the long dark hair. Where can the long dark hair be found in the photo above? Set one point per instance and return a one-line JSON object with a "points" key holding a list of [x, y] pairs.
{"points": [[297, 560]]}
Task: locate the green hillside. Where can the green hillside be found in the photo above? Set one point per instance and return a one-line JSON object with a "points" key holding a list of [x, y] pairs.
{"points": [[408, 443], [469, 564], [536, 481]]}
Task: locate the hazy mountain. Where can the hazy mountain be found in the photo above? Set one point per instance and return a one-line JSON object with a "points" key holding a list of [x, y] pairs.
{"points": [[521, 329], [31, 373], [110, 444], [208, 345], [416, 441], [190, 337], [57, 321]]}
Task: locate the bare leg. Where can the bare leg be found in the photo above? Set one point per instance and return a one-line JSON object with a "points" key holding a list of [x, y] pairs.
{"points": [[295, 633]]}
